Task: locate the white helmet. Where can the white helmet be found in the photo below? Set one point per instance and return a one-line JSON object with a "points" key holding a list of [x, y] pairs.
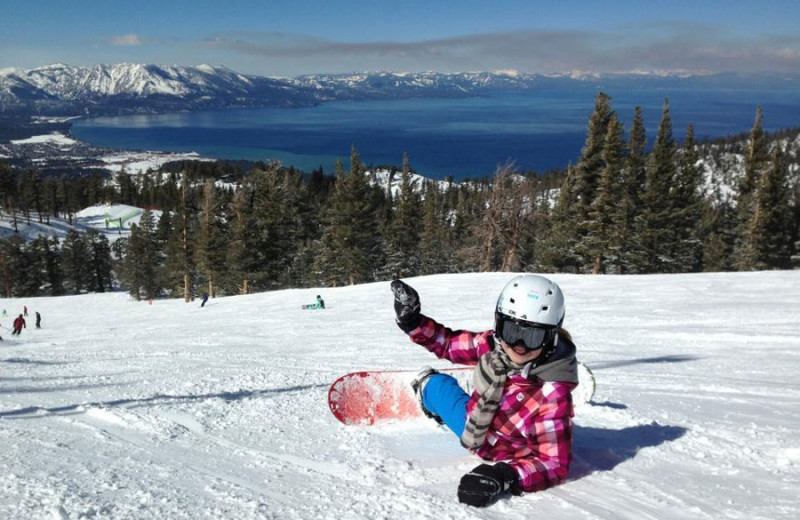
{"points": [[532, 298]]}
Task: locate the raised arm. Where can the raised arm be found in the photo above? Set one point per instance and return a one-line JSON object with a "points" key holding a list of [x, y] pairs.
{"points": [[459, 346]]}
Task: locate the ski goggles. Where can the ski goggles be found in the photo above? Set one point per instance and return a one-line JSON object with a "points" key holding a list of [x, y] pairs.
{"points": [[514, 332]]}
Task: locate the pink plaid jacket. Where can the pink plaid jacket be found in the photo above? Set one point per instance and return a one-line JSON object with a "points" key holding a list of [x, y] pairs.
{"points": [[532, 429]]}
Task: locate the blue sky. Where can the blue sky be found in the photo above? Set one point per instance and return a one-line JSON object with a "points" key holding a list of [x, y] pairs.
{"points": [[290, 38]]}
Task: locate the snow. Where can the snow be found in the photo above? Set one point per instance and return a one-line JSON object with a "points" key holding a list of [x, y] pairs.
{"points": [[121, 409], [392, 182], [133, 161], [107, 217], [104, 218], [142, 162], [54, 138]]}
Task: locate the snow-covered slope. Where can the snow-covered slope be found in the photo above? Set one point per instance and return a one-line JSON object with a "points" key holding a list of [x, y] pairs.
{"points": [[121, 410]]}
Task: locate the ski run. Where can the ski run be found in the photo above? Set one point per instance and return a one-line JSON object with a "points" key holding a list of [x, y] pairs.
{"points": [[117, 409]]}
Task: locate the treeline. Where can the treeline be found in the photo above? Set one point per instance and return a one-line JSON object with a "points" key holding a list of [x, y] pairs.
{"points": [[626, 206], [81, 262]]}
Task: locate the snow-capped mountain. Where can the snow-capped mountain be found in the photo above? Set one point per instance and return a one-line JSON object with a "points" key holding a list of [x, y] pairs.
{"points": [[404, 85], [135, 88], [131, 88]]}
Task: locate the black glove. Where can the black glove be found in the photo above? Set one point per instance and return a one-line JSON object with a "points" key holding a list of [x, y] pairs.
{"points": [[406, 306], [484, 484]]}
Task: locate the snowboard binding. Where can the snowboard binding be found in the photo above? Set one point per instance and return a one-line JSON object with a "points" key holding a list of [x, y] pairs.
{"points": [[418, 385]]}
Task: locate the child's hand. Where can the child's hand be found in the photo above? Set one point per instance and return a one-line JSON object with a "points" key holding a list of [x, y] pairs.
{"points": [[484, 484], [406, 305]]}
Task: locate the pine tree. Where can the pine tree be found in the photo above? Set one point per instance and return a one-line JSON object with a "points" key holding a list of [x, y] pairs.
{"points": [[186, 222], [718, 231], [210, 245], [174, 267], [48, 258], [770, 235], [8, 188], [99, 250], [142, 268], [37, 194], [19, 278], [62, 194], [590, 165], [631, 257], [74, 258], [403, 234], [277, 200], [687, 202], [25, 194], [599, 244], [52, 205], [658, 234], [331, 271], [559, 245], [242, 259], [432, 246], [5, 269], [755, 163], [352, 229], [128, 193]]}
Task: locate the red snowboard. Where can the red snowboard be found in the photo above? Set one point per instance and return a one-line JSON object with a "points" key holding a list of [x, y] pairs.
{"points": [[372, 397], [379, 396]]}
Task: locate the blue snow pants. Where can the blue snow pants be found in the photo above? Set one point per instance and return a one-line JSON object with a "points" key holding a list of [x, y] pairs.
{"points": [[443, 397]]}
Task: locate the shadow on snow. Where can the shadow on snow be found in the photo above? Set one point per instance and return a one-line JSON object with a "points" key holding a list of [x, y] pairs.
{"points": [[640, 361], [26, 361], [600, 449], [32, 412]]}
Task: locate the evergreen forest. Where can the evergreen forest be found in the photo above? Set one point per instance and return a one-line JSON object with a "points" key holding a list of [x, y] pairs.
{"points": [[630, 204]]}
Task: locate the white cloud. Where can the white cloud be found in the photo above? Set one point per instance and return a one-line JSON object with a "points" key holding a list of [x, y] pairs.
{"points": [[658, 46], [126, 40]]}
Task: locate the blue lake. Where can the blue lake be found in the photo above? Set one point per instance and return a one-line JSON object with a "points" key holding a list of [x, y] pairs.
{"points": [[538, 130]]}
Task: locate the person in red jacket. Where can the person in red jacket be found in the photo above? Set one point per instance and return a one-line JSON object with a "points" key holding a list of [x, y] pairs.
{"points": [[520, 412], [19, 323]]}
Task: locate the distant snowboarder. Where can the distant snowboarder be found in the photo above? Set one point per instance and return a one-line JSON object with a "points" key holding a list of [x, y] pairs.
{"points": [[38, 320], [19, 323], [205, 299], [319, 305]]}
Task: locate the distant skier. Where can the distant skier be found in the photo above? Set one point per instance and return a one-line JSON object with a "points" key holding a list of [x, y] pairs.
{"points": [[5, 313], [25, 309], [320, 302], [19, 323], [519, 414], [38, 320], [205, 299]]}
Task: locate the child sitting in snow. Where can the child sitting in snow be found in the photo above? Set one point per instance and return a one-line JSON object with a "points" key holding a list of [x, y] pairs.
{"points": [[520, 413]]}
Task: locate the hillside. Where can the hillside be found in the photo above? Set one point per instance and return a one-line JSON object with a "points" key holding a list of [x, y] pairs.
{"points": [[118, 410], [130, 88]]}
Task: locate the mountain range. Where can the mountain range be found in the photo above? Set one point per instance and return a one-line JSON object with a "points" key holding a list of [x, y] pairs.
{"points": [[119, 89]]}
